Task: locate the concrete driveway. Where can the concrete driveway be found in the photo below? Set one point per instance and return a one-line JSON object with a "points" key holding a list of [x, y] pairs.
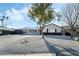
{"points": [[62, 45]]}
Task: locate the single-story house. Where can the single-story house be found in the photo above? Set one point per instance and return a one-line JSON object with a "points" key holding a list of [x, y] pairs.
{"points": [[67, 29], [31, 31], [53, 29], [5, 30], [50, 29]]}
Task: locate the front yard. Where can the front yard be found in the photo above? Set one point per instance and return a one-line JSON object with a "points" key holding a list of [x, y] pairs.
{"points": [[33, 44]]}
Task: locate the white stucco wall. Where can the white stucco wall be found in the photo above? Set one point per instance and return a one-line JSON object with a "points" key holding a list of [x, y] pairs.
{"points": [[51, 28], [31, 33]]}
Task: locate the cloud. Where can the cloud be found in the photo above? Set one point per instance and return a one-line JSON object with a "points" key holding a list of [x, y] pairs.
{"points": [[16, 17], [14, 14]]}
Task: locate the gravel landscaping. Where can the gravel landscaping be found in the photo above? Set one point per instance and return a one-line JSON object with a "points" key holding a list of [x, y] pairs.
{"points": [[25, 45]]}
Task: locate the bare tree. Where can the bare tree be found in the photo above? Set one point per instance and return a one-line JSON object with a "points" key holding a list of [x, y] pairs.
{"points": [[70, 12]]}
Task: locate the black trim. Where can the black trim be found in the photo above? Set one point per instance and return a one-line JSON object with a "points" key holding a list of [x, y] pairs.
{"points": [[52, 33]]}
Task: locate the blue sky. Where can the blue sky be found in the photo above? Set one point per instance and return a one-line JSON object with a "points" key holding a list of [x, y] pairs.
{"points": [[17, 13]]}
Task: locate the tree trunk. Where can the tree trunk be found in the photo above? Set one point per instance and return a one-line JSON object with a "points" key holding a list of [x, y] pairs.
{"points": [[42, 35], [41, 31]]}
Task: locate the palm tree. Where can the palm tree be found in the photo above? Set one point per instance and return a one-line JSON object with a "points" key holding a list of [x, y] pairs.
{"points": [[6, 21], [3, 19], [2, 22], [42, 14]]}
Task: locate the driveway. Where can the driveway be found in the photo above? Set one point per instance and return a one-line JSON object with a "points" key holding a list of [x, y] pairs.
{"points": [[63, 45]]}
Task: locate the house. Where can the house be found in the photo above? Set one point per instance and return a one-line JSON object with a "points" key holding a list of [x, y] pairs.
{"points": [[66, 30], [5, 30], [31, 31], [52, 29]]}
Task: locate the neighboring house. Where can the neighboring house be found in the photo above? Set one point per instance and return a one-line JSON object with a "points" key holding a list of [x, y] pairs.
{"points": [[31, 31], [5, 30], [66, 30]]}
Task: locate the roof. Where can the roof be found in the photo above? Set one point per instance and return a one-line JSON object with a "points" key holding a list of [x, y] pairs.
{"points": [[53, 24], [30, 28], [36, 28], [5, 28], [66, 27]]}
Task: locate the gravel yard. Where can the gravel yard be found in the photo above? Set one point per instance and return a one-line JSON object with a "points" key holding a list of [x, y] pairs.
{"points": [[32, 45], [17, 44]]}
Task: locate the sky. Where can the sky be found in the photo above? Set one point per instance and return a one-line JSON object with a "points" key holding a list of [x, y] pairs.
{"points": [[17, 13]]}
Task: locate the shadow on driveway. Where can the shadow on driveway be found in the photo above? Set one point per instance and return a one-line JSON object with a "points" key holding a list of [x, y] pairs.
{"points": [[53, 49]]}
